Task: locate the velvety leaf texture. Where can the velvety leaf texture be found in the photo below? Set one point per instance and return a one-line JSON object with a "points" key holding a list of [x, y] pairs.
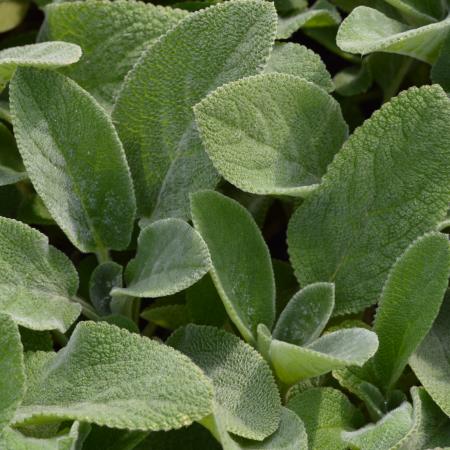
{"points": [[262, 135], [154, 110], [97, 27], [108, 376], [74, 159], [385, 188]]}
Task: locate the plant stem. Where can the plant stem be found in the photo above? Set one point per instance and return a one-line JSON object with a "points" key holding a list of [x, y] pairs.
{"points": [[103, 255]]}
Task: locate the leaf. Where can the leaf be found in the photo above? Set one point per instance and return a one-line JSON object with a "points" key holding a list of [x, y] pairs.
{"points": [[440, 72], [384, 189], [262, 135], [104, 278], [74, 159], [321, 14], [235, 243], [112, 439], [154, 110], [347, 347], [170, 317], [306, 315], [12, 379], [11, 168], [383, 434], [296, 59], [431, 361], [109, 376], [246, 399], [325, 412], [353, 80], [48, 55], [35, 340], [285, 282], [112, 35], [37, 281], [171, 256], [367, 30], [409, 304], [12, 13], [420, 12]]}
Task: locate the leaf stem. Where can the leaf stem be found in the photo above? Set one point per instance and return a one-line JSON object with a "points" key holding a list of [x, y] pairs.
{"points": [[103, 255]]}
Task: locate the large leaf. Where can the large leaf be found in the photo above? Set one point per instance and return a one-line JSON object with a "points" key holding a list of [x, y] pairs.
{"points": [[154, 110], [46, 56], [108, 376], [385, 188], [306, 315], [37, 281], [235, 243], [12, 372], [246, 399], [367, 30], [263, 136], [326, 412], [112, 35], [74, 159], [171, 256], [409, 304]]}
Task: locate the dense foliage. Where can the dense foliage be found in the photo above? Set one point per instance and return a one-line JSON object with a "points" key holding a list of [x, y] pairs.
{"points": [[223, 225]]}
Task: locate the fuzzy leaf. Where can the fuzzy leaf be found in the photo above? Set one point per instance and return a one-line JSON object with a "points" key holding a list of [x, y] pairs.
{"points": [[11, 167], [12, 371], [74, 159], [296, 59], [49, 55], [326, 412], [306, 315], [367, 30], [154, 110], [385, 188], [112, 35], [246, 399], [104, 278], [420, 12], [235, 243], [409, 303], [108, 376], [37, 281], [262, 135], [171, 256]]}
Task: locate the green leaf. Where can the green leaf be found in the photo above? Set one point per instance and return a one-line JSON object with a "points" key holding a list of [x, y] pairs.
{"points": [[431, 361], [74, 159], [420, 12], [12, 13], [171, 256], [37, 281], [36, 340], [154, 110], [321, 14], [353, 80], [347, 347], [296, 59], [246, 399], [235, 243], [409, 304], [367, 30], [385, 433], [11, 167], [170, 317], [109, 376], [113, 439], [112, 35], [326, 412], [48, 55], [12, 375], [385, 188], [262, 135], [440, 72], [104, 278], [306, 315]]}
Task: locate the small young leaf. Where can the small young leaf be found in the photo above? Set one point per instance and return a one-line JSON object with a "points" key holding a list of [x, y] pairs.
{"points": [[384, 434], [154, 110], [112, 35], [37, 281], [385, 188], [104, 278], [296, 59], [47, 55], [326, 412], [235, 243], [74, 159], [108, 376], [246, 399], [171, 256], [409, 303], [12, 371], [262, 135], [306, 315]]}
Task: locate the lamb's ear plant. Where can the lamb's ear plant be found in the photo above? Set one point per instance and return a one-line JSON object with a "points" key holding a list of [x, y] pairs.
{"points": [[214, 238]]}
